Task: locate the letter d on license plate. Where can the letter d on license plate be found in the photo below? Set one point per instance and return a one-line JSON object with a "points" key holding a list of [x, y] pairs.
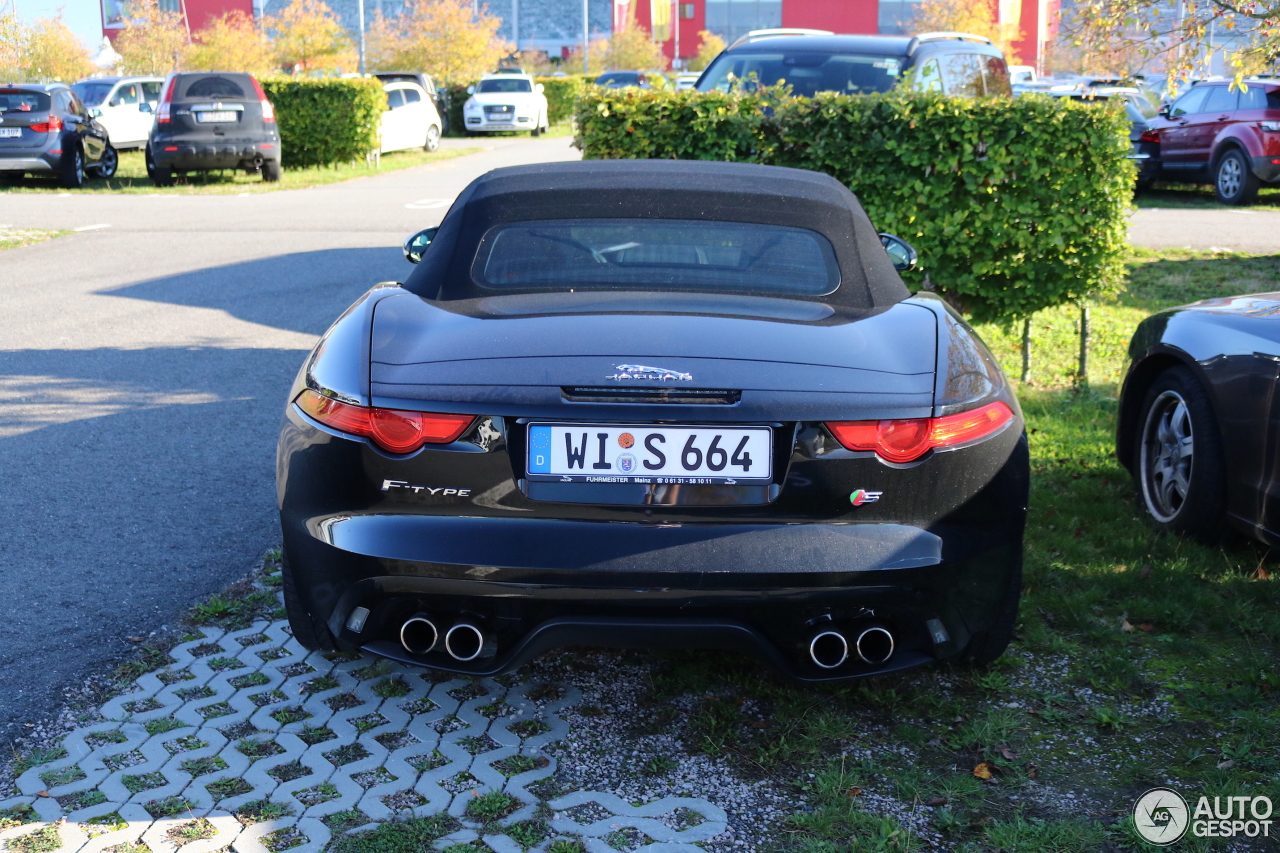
{"points": [[606, 453]]}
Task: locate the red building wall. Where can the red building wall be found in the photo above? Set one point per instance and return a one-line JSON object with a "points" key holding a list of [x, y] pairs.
{"points": [[201, 12], [641, 12], [839, 16]]}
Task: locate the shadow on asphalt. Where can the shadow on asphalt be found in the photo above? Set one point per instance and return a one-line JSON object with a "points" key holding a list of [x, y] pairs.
{"points": [[301, 292]]}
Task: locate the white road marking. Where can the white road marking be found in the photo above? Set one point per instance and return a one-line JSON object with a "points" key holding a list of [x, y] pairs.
{"points": [[92, 227], [429, 203]]}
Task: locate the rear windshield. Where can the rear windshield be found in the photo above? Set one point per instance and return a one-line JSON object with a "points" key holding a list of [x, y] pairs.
{"points": [[605, 79], [505, 86], [806, 73], [93, 94], [220, 86], [659, 254], [20, 101]]}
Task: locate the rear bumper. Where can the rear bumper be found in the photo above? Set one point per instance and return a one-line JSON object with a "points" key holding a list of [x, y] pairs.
{"points": [[29, 164], [1266, 168], [183, 156]]}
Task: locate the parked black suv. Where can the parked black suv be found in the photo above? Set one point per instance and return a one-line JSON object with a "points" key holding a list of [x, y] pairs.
{"points": [[811, 62], [46, 129], [213, 120]]}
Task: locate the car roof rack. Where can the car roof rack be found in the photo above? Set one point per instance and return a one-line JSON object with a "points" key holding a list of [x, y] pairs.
{"points": [[943, 36], [778, 31]]}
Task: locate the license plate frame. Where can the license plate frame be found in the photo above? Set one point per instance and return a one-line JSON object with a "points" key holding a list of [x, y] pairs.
{"points": [[216, 116], [10, 133], [549, 458]]}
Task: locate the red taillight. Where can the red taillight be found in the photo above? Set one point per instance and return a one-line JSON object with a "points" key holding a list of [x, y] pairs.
{"points": [[268, 111], [394, 430], [162, 115], [908, 440], [53, 125], [1150, 136]]}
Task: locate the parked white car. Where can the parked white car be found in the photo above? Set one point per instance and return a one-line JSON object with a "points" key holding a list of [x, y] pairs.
{"points": [[687, 81], [411, 119], [506, 102], [127, 106]]}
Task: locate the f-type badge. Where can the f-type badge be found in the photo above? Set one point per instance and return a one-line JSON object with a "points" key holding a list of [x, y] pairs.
{"points": [[861, 496], [641, 371]]}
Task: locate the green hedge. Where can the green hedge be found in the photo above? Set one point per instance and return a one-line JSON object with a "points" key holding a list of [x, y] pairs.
{"points": [[563, 93], [1014, 204], [326, 121]]}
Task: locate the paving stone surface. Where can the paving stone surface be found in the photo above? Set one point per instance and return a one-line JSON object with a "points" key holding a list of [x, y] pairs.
{"points": [[186, 758]]}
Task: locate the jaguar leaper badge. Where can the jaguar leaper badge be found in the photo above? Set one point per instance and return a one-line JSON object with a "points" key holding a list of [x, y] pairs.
{"points": [[641, 371]]}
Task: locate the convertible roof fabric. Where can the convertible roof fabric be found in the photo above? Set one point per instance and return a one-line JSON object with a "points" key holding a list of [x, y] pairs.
{"points": [[662, 189]]}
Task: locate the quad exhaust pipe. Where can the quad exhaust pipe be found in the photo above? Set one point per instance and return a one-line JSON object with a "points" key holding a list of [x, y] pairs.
{"points": [[463, 642], [829, 649]]}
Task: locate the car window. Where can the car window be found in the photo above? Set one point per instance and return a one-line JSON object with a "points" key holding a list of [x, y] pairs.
{"points": [[806, 73], [1273, 99], [75, 106], [412, 96], [62, 100], [996, 76], [127, 94], [928, 77], [656, 254], [1188, 104], [215, 86], [962, 74], [151, 92], [395, 98], [1221, 99], [1139, 108], [19, 101], [92, 93], [508, 86]]}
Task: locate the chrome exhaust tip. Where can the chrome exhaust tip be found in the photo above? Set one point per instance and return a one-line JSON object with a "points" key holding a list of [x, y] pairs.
{"points": [[465, 642], [874, 645], [828, 649], [419, 635]]}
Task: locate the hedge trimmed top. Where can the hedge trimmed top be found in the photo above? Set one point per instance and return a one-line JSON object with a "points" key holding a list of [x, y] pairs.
{"points": [[1014, 204]]}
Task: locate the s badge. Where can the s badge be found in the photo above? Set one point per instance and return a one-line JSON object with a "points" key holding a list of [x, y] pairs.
{"points": [[858, 497]]}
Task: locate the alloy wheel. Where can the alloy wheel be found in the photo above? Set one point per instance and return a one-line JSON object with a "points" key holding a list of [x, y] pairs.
{"points": [[1229, 177], [433, 138], [1168, 449], [110, 161]]}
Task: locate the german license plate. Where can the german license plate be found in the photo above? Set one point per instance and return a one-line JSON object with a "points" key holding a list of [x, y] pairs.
{"points": [[598, 453], [216, 116], [10, 132]]}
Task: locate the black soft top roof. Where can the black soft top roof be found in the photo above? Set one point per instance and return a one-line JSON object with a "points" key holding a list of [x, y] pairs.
{"points": [[661, 189]]}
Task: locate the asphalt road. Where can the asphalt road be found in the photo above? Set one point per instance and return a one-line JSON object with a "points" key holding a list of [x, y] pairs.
{"points": [[143, 369], [1241, 230]]}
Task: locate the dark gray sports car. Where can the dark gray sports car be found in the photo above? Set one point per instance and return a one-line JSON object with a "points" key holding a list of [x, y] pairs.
{"points": [[654, 403]]}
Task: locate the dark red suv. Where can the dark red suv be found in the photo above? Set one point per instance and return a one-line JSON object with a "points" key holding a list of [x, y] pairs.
{"points": [[1221, 135]]}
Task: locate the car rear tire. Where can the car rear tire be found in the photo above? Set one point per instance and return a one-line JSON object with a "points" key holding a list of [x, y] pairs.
{"points": [[1233, 180], [985, 646], [1181, 471], [106, 167], [271, 171], [433, 139], [159, 175], [73, 169], [311, 632]]}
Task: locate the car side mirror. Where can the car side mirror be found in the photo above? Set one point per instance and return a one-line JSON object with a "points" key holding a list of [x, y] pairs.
{"points": [[114, 102], [899, 251], [416, 245], [144, 107], [1164, 110], [94, 112], [539, 88], [471, 90]]}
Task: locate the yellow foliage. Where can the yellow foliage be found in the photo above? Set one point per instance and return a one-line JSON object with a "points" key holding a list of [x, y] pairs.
{"points": [[966, 16], [232, 43], [307, 36], [630, 49], [708, 50], [45, 52], [155, 41], [444, 38]]}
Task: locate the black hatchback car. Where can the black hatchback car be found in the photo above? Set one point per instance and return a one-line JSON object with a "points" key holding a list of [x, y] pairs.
{"points": [[46, 129], [213, 120], [953, 63]]}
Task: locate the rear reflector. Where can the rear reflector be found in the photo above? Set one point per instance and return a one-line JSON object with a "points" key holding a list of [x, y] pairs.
{"points": [[394, 430], [908, 440]]}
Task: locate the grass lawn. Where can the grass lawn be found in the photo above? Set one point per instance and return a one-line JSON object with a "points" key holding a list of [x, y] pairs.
{"points": [[131, 176], [12, 238], [1171, 195], [1139, 660]]}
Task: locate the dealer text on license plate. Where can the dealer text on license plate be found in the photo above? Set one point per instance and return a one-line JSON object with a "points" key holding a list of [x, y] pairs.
{"points": [[215, 116], [10, 132], [598, 453]]}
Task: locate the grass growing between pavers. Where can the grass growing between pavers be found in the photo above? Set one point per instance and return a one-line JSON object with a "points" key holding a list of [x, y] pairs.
{"points": [[131, 176]]}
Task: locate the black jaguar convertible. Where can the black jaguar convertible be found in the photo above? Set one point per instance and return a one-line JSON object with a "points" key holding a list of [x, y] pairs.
{"points": [[654, 404]]}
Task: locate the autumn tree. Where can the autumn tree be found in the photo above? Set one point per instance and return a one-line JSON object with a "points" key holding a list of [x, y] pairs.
{"points": [[708, 49], [630, 49], [966, 16], [12, 38], [233, 42], [50, 52], [307, 36], [154, 42], [444, 38]]}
